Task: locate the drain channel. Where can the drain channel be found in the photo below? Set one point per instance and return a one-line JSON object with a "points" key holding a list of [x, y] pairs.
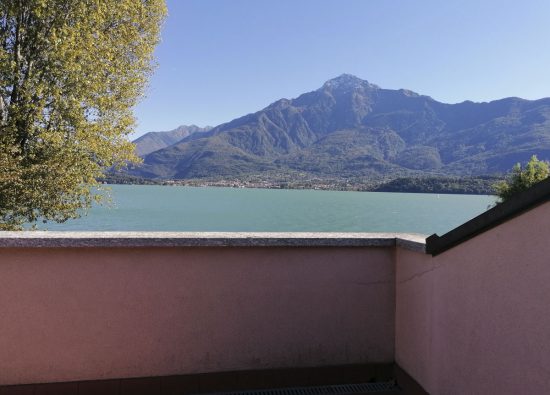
{"points": [[341, 389]]}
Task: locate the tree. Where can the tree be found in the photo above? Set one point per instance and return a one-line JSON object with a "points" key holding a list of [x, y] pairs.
{"points": [[521, 179], [70, 73]]}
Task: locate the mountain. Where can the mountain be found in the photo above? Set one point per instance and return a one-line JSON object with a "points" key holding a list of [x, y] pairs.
{"points": [[154, 141], [350, 128]]}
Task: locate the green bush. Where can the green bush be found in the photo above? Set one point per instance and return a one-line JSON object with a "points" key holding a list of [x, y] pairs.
{"points": [[522, 178]]}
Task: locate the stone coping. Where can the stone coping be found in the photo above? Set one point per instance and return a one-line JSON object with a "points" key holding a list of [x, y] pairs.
{"points": [[29, 239]]}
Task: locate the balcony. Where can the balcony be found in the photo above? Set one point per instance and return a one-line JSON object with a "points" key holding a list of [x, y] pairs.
{"points": [[167, 313]]}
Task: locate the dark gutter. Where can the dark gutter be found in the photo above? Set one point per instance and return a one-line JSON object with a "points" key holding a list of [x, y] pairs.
{"points": [[523, 201]]}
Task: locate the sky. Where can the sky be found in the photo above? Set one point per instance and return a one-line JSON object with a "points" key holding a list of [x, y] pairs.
{"points": [[222, 59]]}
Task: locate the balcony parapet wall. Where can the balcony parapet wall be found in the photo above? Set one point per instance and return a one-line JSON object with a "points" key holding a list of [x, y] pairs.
{"points": [[95, 306]]}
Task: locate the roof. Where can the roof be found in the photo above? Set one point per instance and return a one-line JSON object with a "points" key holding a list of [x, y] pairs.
{"points": [[502, 212]]}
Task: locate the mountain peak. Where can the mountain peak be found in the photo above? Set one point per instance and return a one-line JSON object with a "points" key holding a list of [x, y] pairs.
{"points": [[350, 129], [348, 81]]}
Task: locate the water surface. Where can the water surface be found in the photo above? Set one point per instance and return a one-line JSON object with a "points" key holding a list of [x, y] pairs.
{"points": [[172, 208]]}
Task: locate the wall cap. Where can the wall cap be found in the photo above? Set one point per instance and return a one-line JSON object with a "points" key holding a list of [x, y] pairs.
{"points": [[41, 239]]}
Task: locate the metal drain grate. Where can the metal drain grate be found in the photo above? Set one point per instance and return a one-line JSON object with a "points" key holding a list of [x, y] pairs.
{"points": [[342, 389]]}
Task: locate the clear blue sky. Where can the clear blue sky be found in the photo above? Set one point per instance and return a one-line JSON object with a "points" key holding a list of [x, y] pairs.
{"points": [[220, 59]]}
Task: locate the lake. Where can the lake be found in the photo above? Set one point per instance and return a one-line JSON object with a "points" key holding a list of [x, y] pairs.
{"points": [[173, 208]]}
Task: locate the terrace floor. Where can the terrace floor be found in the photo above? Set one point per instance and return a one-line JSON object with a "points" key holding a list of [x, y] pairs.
{"points": [[381, 379]]}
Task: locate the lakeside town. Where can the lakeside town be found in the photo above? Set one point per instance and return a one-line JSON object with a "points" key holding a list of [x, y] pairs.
{"points": [[482, 185]]}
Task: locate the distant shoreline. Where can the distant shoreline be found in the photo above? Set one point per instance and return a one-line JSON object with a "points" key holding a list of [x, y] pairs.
{"points": [[436, 185]]}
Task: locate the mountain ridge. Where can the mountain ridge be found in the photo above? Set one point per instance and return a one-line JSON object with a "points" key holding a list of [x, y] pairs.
{"points": [[153, 141], [352, 128]]}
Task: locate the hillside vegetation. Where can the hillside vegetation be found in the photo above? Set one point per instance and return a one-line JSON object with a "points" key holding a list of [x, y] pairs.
{"points": [[352, 129]]}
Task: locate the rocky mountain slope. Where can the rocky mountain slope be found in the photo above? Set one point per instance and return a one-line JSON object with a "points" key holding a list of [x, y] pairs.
{"points": [[154, 141], [352, 128]]}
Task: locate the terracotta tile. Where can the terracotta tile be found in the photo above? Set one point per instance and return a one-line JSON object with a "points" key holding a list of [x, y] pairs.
{"points": [[217, 382], [17, 390], [384, 372], [179, 385], [360, 373], [296, 377], [56, 389], [103, 387], [408, 385], [140, 386], [326, 375], [263, 379]]}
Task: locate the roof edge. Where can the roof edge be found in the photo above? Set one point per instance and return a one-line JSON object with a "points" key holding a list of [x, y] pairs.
{"points": [[502, 212]]}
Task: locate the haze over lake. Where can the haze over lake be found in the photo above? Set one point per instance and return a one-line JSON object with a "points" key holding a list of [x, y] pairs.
{"points": [[164, 208]]}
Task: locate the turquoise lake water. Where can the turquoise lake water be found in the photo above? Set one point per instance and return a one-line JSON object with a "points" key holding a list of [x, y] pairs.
{"points": [[171, 208]]}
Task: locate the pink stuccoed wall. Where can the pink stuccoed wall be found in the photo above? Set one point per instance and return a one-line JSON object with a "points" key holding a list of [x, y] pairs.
{"points": [[94, 313], [476, 319]]}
